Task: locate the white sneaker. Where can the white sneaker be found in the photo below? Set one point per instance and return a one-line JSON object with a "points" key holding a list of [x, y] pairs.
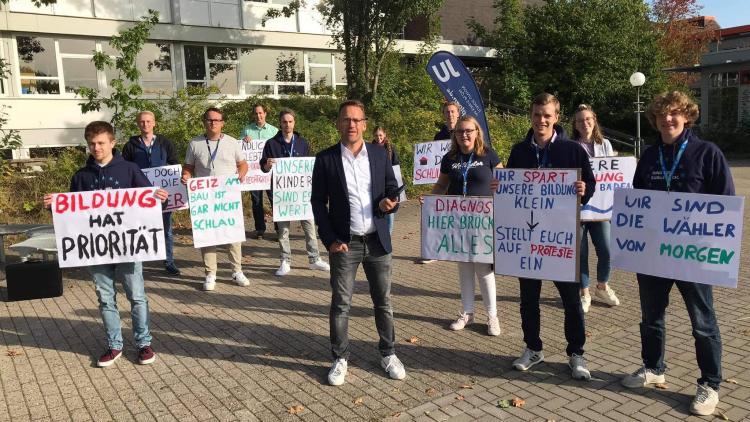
{"points": [[240, 279], [643, 377], [586, 303], [493, 326], [393, 367], [607, 296], [284, 268], [463, 320], [705, 401], [320, 265], [528, 359], [338, 372], [425, 261], [210, 283], [578, 368]]}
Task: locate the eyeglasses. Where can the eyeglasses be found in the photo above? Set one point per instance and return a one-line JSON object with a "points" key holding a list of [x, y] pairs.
{"points": [[462, 132], [212, 121], [348, 121]]}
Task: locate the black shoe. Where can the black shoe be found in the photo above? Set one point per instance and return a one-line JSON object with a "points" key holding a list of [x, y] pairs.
{"points": [[171, 269], [257, 234]]}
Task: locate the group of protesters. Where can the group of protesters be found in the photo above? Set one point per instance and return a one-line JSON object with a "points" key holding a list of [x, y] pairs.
{"points": [[355, 196]]}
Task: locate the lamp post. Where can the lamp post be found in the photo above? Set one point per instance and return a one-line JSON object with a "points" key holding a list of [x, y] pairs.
{"points": [[637, 80]]}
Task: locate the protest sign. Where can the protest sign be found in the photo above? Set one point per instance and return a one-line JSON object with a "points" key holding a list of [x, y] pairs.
{"points": [[168, 178], [255, 179], [536, 224], [684, 236], [611, 173], [292, 187], [216, 210], [457, 228], [108, 226], [400, 182], [427, 159]]}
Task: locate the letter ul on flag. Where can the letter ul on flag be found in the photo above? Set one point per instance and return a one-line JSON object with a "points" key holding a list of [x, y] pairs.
{"points": [[456, 83]]}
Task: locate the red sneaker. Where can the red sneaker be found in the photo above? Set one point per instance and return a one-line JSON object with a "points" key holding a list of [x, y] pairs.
{"points": [[108, 358], [146, 355]]}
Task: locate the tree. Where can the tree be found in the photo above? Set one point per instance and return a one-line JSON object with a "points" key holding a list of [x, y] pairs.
{"points": [[126, 90], [366, 31]]}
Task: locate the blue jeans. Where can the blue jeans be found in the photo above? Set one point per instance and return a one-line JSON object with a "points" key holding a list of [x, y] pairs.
{"points": [[575, 329], [368, 251], [599, 231], [168, 238], [132, 281], [390, 217], [654, 293], [259, 216]]}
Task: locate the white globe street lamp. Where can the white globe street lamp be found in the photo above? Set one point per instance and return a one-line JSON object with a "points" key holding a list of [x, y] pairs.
{"points": [[637, 80]]}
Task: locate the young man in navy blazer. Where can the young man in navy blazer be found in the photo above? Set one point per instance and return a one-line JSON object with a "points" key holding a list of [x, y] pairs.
{"points": [[352, 187]]}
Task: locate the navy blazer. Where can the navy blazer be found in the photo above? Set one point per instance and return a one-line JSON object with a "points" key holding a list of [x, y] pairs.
{"points": [[330, 196]]}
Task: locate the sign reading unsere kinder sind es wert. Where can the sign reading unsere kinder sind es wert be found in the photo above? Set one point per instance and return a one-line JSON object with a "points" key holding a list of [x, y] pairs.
{"points": [[611, 173], [457, 228], [427, 159], [683, 236], [108, 227], [536, 224], [292, 188], [168, 178], [255, 179], [216, 210]]}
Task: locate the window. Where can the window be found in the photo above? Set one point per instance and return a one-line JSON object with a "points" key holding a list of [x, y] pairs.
{"points": [[221, 67], [155, 64], [724, 79], [77, 68], [37, 63]]}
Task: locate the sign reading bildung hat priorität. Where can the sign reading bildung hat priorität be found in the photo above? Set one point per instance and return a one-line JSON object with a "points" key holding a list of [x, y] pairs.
{"points": [[216, 210], [684, 236], [536, 224], [457, 228], [108, 227]]}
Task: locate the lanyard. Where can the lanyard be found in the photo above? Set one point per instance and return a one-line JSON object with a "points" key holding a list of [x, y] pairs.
{"points": [[545, 156], [291, 149], [465, 170], [668, 174], [212, 155]]}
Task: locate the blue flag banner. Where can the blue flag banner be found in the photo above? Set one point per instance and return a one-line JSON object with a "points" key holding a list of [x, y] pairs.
{"points": [[454, 80]]}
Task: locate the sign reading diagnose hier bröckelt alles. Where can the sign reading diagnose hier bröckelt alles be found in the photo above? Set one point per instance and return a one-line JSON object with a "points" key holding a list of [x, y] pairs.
{"points": [[684, 236], [108, 227], [292, 188], [216, 210], [536, 224], [457, 228]]}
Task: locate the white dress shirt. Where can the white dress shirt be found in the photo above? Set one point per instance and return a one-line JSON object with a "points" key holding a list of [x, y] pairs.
{"points": [[359, 187]]}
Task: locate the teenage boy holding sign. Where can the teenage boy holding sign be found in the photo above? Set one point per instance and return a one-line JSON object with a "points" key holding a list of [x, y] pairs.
{"points": [[547, 146], [681, 162], [106, 169]]}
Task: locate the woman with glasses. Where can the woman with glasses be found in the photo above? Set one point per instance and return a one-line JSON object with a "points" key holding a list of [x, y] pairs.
{"points": [[380, 138], [467, 169], [587, 133]]}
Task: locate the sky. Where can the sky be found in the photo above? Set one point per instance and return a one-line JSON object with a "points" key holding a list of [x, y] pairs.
{"points": [[728, 13]]}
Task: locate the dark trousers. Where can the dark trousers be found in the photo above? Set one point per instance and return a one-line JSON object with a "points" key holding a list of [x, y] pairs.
{"points": [[377, 265], [654, 293], [259, 216], [575, 330], [168, 238]]}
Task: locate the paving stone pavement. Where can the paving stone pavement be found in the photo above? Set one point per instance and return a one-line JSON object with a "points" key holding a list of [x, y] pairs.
{"points": [[254, 353]]}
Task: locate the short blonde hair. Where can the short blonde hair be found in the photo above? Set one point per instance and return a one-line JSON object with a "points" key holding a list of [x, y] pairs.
{"points": [[448, 104], [142, 112], [670, 101]]}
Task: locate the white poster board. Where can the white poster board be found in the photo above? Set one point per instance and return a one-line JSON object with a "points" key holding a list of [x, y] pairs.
{"points": [[684, 236], [292, 188], [427, 159], [168, 178], [457, 228], [108, 226], [536, 224], [216, 210], [611, 173], [255, 179], [400, 182]]}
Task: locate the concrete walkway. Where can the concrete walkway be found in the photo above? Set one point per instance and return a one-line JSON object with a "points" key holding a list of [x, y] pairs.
{"points": [[262, 352]]}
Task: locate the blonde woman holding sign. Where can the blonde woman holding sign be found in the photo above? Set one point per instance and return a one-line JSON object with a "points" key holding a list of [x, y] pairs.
{"points": [[467, 170], [589, 136]]}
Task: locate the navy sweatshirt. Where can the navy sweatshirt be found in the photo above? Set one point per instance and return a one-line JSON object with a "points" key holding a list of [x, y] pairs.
{"points": [[277, 147], [162, 152], [702, 168], [117, 174], [562, 154]]}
